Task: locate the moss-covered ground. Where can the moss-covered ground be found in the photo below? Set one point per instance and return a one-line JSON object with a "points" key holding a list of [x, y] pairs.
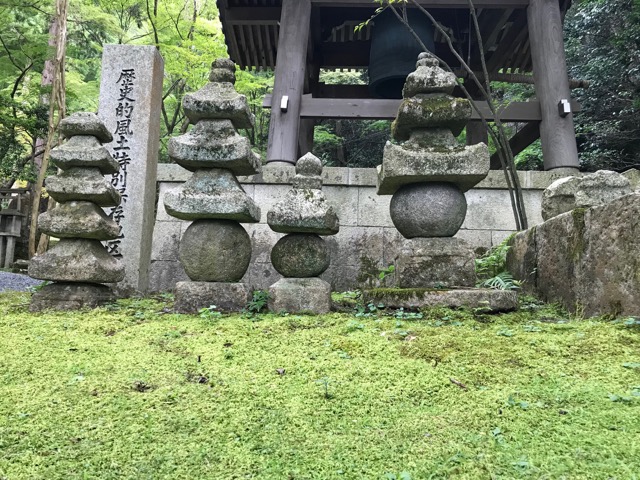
{"points": [[133, 390]]}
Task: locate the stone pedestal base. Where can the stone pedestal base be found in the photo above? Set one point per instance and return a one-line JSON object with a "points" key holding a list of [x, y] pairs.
{"points": [[70, 296], [435, 263], [194, 296], [300, 295], [491, 300]]}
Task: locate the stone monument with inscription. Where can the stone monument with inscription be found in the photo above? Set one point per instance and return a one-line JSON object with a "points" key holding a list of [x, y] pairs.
{"points": [[79, 264], [215, 249], [130, 106]]}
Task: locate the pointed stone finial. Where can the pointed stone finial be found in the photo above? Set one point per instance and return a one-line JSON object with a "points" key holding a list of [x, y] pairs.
{"points": [[428, 77], [308, 172]]}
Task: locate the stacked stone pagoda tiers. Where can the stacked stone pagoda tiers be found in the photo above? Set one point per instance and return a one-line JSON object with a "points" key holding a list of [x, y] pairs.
{"points": [[302, 255], [79, 264], [427, 173], [215, 249]]}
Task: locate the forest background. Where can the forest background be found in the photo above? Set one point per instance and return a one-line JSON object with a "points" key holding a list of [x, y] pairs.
{"points": [[602, 39]]}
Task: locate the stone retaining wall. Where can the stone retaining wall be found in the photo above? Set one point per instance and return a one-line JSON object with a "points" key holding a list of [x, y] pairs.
{"points": [[367, 240]]}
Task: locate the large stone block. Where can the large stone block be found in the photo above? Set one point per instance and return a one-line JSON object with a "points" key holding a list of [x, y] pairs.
{"points": [[77, 260], [300, 295], [165, 274], [166, 240], [218, 101], [191, 297], [70, 296], [586, 259], [435, 263], [586, 191]]}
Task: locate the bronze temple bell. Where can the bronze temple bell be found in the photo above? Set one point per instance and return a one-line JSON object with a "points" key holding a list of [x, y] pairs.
{"points": [[394, 50]]}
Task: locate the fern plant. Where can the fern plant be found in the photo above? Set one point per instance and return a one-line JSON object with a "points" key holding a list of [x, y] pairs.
{"points": [[491, 269]]}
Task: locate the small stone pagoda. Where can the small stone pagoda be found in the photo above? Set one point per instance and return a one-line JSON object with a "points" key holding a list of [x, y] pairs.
{"points": [[79, 264], [215, 250], [427, 172], [302, 255]]}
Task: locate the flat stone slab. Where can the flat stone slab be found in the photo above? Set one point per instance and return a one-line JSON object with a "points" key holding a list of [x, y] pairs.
{"points": [[409, 163], [435, 263], [431, 111], [191, 297], [211, 194], [218, 101], [300, 295], [78, 220], [84, 151], [70, 296], [77, 260], [85, 123], [82, 184], [488, 299], [215, 144]]}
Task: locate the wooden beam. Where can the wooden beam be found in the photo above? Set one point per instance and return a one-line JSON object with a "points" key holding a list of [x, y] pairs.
{"points": [[289, 81], [429, 3], [551, 81], [381, 109], [252, 15], [520, 140]]}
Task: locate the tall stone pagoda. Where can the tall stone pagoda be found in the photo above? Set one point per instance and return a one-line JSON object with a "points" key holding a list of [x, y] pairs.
{"points": [[215, 249], [79, 264], [428, 172]]}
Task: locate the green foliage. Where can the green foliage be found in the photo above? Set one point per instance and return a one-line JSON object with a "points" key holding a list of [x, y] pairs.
{"points": [[258, 303], [603, 47], [178, 396], [491, 269]]}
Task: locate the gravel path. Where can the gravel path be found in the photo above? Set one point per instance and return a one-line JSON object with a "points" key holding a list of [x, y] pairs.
{"points": [[16, 282]]}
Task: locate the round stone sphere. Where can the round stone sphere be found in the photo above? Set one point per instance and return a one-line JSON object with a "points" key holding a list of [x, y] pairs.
{"points": [[300, 255], [215, 251], [435, 209]]}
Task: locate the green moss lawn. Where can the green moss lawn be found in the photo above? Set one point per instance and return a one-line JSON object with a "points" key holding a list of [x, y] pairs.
{"points": [[134, 391]]}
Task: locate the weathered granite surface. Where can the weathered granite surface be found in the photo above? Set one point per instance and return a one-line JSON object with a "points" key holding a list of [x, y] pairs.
{"points": [[212, 193], [70, 296], [435, 263], [77, 260], [586, 259], [191, 297], [427, 79], [82, 184], [300, 295], [215, 251], [215, 144], [491, 301], [585, 191], [300, 255], [434, 209], [84, 151], [304, 209], [78, 220], [85, 123]]}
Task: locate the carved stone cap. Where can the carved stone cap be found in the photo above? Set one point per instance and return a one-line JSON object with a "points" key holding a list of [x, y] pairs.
{"points": [[429, 77], [85, 123], [223, 70]]}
